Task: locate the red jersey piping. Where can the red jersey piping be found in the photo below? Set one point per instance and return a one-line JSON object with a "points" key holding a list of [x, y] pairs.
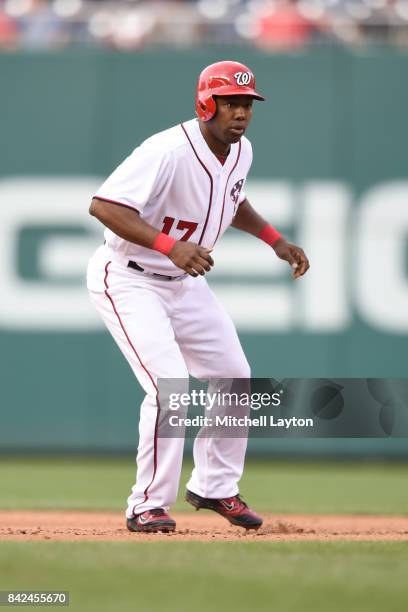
{"points": [[225, 191], [117, 203], [211, 183]]}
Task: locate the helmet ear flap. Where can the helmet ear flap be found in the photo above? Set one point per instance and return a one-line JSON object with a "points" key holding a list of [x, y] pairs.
{"points": [[205, 108], [200, 107], [211, 108]]}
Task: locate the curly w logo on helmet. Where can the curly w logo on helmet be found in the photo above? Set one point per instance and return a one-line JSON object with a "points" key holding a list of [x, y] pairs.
{"points": [[243, 78]]}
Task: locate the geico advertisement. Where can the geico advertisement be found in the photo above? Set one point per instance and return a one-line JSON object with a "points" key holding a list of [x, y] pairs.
{"points": [[357, 249]]}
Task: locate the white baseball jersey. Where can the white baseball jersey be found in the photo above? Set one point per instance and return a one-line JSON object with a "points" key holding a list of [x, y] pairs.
{"points": [[177, 185]]}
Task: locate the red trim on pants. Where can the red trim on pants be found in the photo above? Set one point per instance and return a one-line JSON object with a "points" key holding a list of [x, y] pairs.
{"points": [[156, 426]]}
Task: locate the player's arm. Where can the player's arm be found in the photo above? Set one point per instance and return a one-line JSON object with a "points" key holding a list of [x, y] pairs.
{"points": [[248, 220], [127, 224]]}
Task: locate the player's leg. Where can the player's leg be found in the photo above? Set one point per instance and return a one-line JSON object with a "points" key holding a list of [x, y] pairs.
{"points": [[134, 311], [212, 350]]}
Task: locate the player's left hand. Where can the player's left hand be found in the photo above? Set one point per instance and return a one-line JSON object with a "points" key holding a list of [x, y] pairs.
{"points": [[294, 255]]}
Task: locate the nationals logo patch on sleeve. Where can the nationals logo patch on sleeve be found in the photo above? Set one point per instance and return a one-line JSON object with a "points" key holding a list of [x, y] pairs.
{"points": [[236, 190]]}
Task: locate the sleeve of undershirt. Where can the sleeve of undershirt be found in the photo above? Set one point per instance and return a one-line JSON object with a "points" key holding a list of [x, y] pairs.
{"points": [[137, 179]]}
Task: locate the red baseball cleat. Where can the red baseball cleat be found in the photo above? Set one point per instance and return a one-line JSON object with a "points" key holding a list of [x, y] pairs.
{"points": [[151, 521], [234, 509]]}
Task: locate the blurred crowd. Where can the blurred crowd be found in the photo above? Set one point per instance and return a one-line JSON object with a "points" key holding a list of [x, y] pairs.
{"points": [[135, 24]]}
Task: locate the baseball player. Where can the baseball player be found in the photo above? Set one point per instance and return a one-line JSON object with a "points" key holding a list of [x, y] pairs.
{"points": [[165, 208]]}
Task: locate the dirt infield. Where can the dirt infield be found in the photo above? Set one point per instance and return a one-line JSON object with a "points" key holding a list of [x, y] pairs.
{"points": [[200, 526]]}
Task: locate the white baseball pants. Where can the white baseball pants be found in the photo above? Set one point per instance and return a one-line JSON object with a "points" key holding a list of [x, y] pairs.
{"points": [[170, 329]]}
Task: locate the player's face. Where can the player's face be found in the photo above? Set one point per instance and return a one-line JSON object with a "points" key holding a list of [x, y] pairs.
{"points": [[232, 118]]}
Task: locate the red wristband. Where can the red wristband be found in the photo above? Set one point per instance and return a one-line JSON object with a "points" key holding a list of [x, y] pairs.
{"points": [[163, 243], [269, 235]]}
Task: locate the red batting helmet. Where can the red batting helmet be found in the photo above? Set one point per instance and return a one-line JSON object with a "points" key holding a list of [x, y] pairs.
{"points": [[223, 79]]}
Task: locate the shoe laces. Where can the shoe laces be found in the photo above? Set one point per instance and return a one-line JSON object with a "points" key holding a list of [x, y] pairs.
{"points": [[157, 511], [154, 512]]}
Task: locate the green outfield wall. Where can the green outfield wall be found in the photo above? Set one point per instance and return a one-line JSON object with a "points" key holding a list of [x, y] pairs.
{"points": [[330, 170]]}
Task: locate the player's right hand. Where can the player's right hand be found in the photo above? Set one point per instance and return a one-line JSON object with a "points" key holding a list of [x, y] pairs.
{"points": [[191, 258]]}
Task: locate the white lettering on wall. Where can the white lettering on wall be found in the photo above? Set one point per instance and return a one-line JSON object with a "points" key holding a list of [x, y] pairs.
{"points": [[324, 297], [381, 285], [36, 201], [357, 256]]}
